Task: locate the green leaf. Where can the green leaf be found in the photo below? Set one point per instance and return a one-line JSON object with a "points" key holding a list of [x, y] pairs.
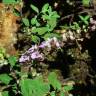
{"points": [[54, 81], [68, 87], [34, 8], [86, 3], [12, 60], [81, 17], [87, 17], [41, 30], [52, 93], [45, 17], [9, 1], [34, 21], [50, 35], [35, 39], [4, 93], [45, 8], [52, 23], [25, 21], [35, 87], [62, 93], [4, 78], [16, 12], [84, 19]]}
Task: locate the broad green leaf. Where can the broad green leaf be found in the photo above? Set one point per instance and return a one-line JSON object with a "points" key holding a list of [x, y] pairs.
{"points": [[87, 17], [35, 87], [9, 1], [50, 9], [54, 81], [81, 17], [35, 38], [62, 93], [4, 93], [12, 60], [41, 30], [55, 15], [86, 3], [4, 78], [45, 17], [25, 21], [34, 8], [52, 93], [68, 87], [34, 21], [84, 19], [52, 23], [45, 8]]}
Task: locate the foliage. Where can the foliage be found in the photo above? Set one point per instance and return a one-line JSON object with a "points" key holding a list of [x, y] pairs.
{"points": [[55, 44], [44, 29]]}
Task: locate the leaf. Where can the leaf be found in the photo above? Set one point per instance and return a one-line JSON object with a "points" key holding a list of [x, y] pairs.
{"points": [[52, 93], [34, 20], [86, 3], [50, 35], [4, 93], [16, 12], [41, 30], [84, 19], [35, 39], [62, 93], [54, 81], [52, 23], [25, 21], [9, 1], [35, 87], [68, 87], [12, 60], [87, 17], [4, 78], [81, 17], [45, 8], [34, 8]]}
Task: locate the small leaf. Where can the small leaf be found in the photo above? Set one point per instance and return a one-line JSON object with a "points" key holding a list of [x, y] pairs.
{"points": [[9, 1], [34, 21], [16, 12], [62, 93], [12, 60], [34, 8], [25, 21], [45, 8], [52, 93], [68, 87], [4, 93], [81, 17], [86, 3], [87, 17], [4, 78], [54, 82], [52, 23], [35, 39], [41, 30]]}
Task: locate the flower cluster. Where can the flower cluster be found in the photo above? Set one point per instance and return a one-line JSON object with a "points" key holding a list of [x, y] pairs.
{"points": [[93, 24], [34, 53]]}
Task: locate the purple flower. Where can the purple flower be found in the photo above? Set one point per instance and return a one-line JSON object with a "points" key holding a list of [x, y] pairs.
{"points": [[42, 45], [32, 49], [24, 58], [36, 55]]}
